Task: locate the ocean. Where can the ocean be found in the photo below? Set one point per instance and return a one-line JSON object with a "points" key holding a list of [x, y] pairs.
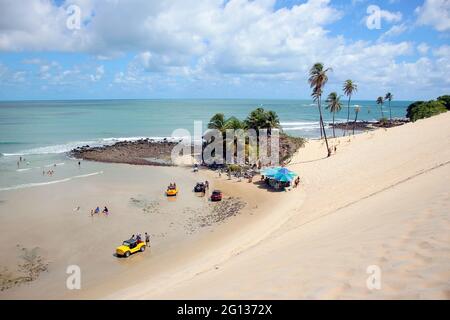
{"points": [[42, 132]]}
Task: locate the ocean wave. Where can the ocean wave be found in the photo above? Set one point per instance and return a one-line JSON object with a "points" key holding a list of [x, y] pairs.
{"points": [[302, 128], [53, 165], [299, 123], [40, 184], [11, 142], [63, 148]]}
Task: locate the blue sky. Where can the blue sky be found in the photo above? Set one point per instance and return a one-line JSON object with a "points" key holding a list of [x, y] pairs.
{"points": [[221, 49]]}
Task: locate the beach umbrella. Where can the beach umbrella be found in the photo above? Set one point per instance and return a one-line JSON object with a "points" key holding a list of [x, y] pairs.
{"points": [[270, 172], [284, 175]]}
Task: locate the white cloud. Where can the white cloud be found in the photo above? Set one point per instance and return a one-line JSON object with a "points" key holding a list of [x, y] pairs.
{"points": [[391, 17], [396, 30], [423, 48], [99, 72], [435, 13], [207, 40]]}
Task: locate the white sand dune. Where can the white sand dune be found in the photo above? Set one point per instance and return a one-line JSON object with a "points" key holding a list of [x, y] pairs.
{"points": [[382, 200]]}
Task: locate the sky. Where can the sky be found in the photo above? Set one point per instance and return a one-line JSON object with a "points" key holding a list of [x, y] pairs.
{"points": [[152, 49]]}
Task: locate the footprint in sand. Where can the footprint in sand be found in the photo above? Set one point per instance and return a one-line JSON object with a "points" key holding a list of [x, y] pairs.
{"points": [[422, 258], [425, 245]]}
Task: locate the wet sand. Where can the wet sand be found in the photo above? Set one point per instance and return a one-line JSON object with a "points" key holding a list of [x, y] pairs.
{"points": [[47, 218]]}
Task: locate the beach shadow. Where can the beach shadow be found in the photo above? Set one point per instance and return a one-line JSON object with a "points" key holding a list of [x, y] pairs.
{"points": [[264, 186], [309, 161]]}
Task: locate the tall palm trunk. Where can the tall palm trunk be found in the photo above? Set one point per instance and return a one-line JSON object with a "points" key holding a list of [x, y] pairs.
{"points": [[334, 134], [381, 109], [390, 111], [320, 126], [354, 124], [319, 104], [348, 115]]}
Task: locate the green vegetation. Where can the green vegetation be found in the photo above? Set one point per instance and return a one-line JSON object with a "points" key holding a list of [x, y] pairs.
{"points": [[349, 89], [445, 100], [380, 101], [257, 119], [317, 79], [425, 109], [389, 98], [334, 105], [384, 121]]}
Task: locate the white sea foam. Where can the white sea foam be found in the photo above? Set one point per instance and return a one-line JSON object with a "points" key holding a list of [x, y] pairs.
{"points": [[299, 123], [55, 164], [300, 126], [40, 184], [63, 148]]}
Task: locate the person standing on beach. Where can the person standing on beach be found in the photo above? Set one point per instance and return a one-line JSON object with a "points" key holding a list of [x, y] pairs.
{"points": [[79, 164], [147, 239]]}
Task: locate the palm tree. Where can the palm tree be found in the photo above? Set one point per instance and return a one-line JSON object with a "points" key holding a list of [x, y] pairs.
{"points": [[389, 98], [234, 124], [334, 105], [272, 121], [256, 119], [217, 122], [380, 101], [349, 89], [317, 80], [261, 119], [357, 110]]}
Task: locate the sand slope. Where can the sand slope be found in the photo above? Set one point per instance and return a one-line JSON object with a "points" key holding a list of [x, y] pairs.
{"points": [[382, 200]]}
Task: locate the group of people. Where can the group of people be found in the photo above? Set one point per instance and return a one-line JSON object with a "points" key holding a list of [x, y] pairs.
{"points": [[97, 211], [172, 185], [49, 172], [20, 161], [138, 238]]}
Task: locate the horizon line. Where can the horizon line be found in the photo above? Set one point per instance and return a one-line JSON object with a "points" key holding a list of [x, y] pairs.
{"points": [[155, 99]]}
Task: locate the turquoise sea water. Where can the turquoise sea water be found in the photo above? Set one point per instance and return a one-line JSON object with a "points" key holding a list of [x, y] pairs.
{"points": [[42, 131]]}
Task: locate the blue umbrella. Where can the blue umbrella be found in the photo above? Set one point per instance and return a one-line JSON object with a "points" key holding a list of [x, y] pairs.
{"points": [[284, 175], [270, 172]]}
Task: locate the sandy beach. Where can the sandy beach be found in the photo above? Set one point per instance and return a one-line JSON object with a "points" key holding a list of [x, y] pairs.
{"points": [[381, 200]]}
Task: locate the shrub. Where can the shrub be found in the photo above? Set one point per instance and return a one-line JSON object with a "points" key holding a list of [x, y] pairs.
{"points": [[384, 121], [421, 110], [234, 168], [445, 100]]}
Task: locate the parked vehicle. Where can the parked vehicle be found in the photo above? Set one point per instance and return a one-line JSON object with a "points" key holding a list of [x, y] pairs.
{"points": [[216, 195], [129, 247], [171, 191], [200, 187]]}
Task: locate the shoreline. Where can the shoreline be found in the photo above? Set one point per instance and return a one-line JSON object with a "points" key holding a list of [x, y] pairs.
{"points": [[168, 235], [313, 242]]}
